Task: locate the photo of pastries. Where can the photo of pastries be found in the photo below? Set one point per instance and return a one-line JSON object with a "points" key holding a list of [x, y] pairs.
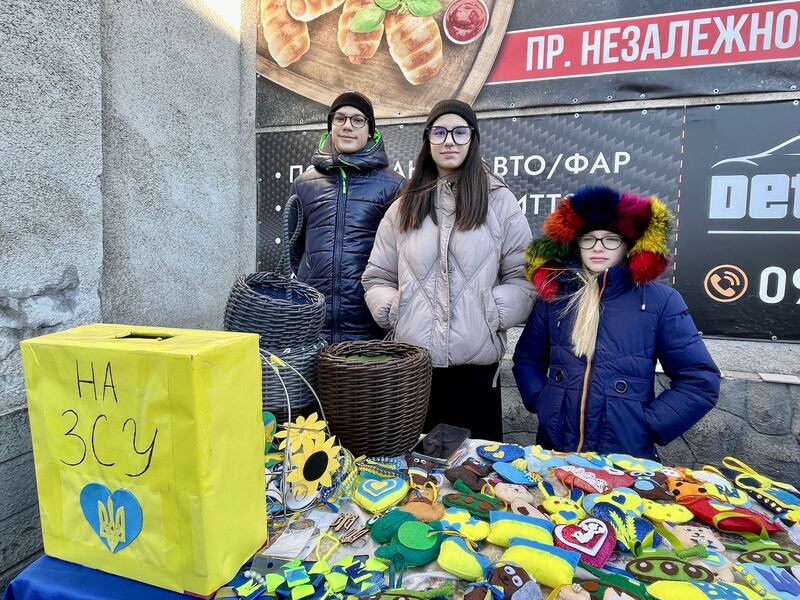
{"points": [[406, 54]]}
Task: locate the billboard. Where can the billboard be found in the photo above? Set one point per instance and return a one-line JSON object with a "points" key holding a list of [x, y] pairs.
{"points": [[503, 54]]}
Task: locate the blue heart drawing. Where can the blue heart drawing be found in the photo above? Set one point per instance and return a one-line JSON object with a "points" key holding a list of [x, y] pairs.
{"points": [[115, 517]]}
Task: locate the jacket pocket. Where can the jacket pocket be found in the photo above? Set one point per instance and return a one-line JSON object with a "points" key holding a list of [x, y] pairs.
{"points": [[626, 428], [492, 318], [549, 405], [393, 315]]}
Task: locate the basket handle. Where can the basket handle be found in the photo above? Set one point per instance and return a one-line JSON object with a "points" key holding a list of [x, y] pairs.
{"points": [[285, 262]]}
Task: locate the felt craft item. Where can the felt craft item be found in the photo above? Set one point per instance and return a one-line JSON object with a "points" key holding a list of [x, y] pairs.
{"points": [[509, 492], [511, 474], [547, 564], [419, 471], [652, 485], [476, 503], [443, 592], [690, 535], [592, 480], [468, 476], [771, 555], [458, 559], [504, 581], [424, 510], [775, 580], [520, 507], [504, 526], [648, 567], [633, 533], [671, 513], [605, 586], [731, 519], [380, 468], [776, 496], [481, 468], [685, 490], [461, 521], [383, 528], [695, 590], [500, 452], [416, 543], [629, 463], [627, 500], [589, 460], [541, 460], [592, 538], [376, 495], [710, 474], [562, 511]]}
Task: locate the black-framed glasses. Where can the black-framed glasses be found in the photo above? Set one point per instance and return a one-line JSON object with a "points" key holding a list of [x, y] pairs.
{"points": [[609, 242], [437, 135], [357, 121]]}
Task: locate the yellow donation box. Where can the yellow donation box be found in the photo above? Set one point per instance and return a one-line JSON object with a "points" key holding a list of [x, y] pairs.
{"points": [[149, 451]]}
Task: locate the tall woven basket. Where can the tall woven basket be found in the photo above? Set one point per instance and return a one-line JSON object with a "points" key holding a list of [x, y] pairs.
{"points": [[375, 394], [303, 360]]}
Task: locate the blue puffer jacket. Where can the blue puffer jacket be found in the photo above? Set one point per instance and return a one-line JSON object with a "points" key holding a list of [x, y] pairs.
{"points": [[344, 198], [620, 413]]}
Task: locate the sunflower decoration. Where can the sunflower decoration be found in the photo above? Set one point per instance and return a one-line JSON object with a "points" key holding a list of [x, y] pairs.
{"points": [[303, 432], [314, 465]]}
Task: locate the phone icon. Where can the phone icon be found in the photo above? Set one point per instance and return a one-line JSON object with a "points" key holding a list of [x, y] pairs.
{"points": [[725, 283], [722, 286]]}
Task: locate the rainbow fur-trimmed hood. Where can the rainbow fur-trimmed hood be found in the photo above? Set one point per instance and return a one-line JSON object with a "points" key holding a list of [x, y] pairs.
{"points": [[643, 222]]}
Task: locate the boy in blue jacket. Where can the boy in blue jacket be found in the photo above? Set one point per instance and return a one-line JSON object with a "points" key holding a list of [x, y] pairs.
{"points": [[585, 362]]}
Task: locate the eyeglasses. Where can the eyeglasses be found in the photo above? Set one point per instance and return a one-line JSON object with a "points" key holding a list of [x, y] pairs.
{"points": [[437, 135], [609, 242], [357, 121]]}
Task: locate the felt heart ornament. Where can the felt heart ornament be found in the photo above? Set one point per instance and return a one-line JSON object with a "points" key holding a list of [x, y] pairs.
{"points": [[376, 495], [591, 537], [500, 452], [116, 517]]}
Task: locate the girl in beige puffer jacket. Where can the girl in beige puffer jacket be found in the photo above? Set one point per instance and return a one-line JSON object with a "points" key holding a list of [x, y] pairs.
{"points": [[447, 271]]}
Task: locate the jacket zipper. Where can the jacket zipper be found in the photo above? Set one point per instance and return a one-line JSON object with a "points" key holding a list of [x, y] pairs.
{"points": [[340, 206], [586, 375]]}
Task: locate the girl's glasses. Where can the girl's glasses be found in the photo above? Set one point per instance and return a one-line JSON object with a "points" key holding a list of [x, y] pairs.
{"points": [[610, 242], [357, 121], [437, 135]]}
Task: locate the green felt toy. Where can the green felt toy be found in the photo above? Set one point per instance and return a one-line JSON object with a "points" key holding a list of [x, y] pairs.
{"points": [[384, 527], [479, 505], [443, 591], [416, 544]]}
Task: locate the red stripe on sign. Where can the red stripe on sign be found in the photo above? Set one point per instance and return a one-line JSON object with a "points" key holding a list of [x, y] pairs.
{"points": [[700, 38]]}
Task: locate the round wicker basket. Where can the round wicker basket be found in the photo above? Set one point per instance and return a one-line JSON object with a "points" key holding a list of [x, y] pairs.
{"points": [[303, 360]]}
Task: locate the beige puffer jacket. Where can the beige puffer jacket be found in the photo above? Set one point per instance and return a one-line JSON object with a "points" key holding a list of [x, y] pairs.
{"points": [[452, 292]]}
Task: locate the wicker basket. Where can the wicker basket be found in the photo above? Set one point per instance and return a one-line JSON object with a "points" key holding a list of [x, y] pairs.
{"points": [[375, 394], [286, 313], [273, 395]]}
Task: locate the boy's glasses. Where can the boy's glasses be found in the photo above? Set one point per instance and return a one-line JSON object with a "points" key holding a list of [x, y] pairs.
{"points": [[357, 121], [437, 135], [609, 242]]}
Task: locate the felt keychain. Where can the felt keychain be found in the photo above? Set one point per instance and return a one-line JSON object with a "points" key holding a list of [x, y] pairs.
{"points": [[710, 474], [468, 476], [419, 471], [376, 495], [549, 565], [500, 452], [421, 502], [475, 502], [774, 580], [458, 558], [504, 526], [592, 480], [509, 492], [767, 566], [689, 535], [633, 533], [562, 511], [592, 538], [504, 581], [776, 496], [698, 590], [462, 522], [731, 519], [684, 490]]}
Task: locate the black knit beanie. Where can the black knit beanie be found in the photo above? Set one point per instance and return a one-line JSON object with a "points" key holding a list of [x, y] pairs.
{"points": [[356, 100], [455, 107]]}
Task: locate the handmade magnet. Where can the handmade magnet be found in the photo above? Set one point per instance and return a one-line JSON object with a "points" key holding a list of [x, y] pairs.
{"points": [[476, 503], [509, 492], [460, 520], [629, 463], [776, 496], [376, 495], [562, 511], [633, 533], [592, 480], [344, 521], [549, 565], [511, 474], [504, 581], [458, 559], [591, 538], [500, 452], [504, 526]]}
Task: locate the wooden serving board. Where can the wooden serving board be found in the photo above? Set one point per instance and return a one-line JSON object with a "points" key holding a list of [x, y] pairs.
{"points": [[324, 72]]}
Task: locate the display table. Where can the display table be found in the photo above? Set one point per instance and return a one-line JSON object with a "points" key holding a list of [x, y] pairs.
{"points": [[52, 579]]}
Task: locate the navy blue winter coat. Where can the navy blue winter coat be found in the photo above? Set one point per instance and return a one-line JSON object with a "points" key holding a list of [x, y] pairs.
{"points": [[344, 198], [620, 412]]}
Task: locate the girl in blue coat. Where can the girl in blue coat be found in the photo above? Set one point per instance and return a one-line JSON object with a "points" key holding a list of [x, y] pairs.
{"points": [[586, 360]]}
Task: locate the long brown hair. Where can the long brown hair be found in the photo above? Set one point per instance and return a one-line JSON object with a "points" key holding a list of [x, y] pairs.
{"points": [[472, 188]]}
